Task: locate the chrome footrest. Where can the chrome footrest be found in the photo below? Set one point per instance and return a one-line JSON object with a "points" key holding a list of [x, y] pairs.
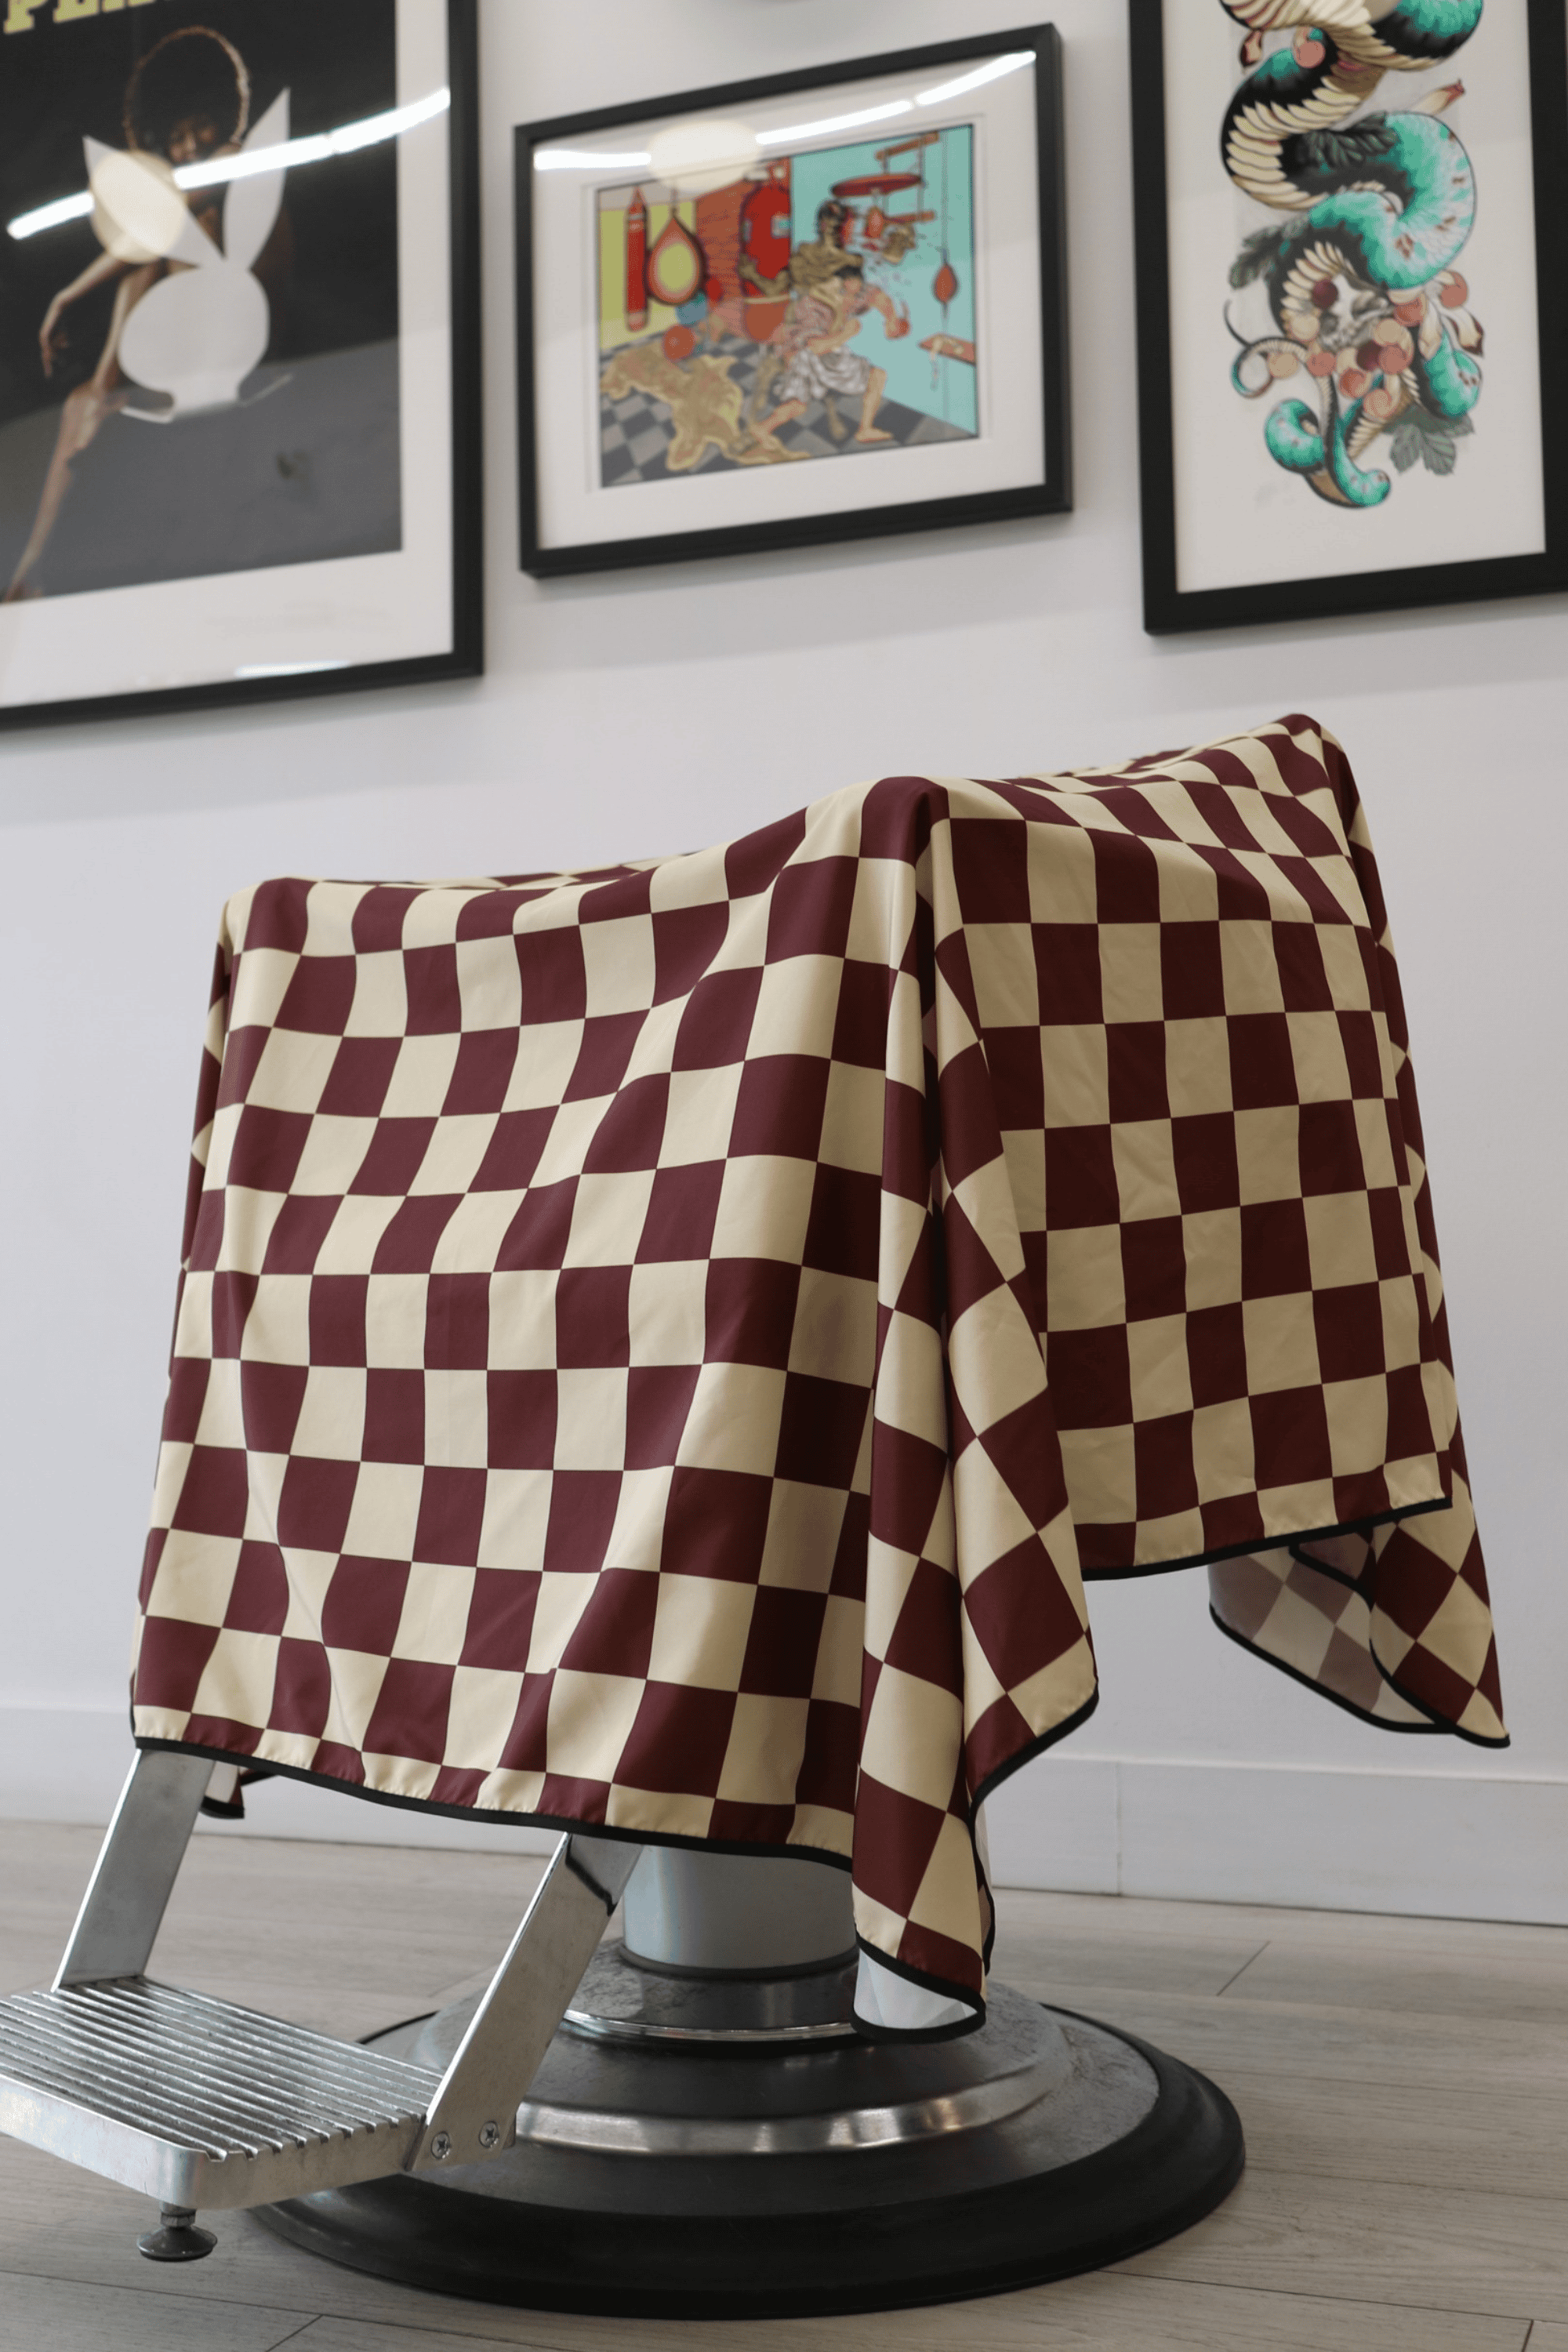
{"points": [[197, 2103]]}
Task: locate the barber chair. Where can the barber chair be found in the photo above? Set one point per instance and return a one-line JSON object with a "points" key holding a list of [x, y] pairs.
{"points": [[699, 2085], [1121, 1081]]}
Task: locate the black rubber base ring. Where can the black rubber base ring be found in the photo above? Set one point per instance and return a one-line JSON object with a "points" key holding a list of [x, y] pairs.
{"points": [[1174, 2167]]}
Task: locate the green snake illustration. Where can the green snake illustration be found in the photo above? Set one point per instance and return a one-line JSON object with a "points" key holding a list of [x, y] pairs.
{"points": [[1361, 280]]}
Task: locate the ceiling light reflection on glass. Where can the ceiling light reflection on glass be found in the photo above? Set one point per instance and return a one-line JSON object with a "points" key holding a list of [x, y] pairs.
{"points": [[992, 71], [719, 151], [695, 157], [583, 159], [837, 122], [347, 140], [287, 668]]}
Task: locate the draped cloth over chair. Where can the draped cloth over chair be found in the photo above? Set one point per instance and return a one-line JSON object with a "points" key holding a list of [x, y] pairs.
{"points": [[664, 1348]]}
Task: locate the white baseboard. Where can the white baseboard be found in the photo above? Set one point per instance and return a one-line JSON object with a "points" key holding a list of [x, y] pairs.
{"points": [[1435, 1845], [67, 1764], [1431, 1845], [62, 1763]]}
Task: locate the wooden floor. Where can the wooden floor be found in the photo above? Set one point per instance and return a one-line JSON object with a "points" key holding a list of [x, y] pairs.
{"points": [[1403, 2085]]}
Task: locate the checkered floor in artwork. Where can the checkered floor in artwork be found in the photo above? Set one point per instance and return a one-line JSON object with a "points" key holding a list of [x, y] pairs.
{"points": [[636, 432]]}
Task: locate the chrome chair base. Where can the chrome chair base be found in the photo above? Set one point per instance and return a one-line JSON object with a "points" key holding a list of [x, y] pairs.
{"points": [[722, 2146]]}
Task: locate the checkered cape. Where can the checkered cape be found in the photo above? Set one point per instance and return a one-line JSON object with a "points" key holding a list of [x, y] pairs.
{"points": [[663, 1347]]}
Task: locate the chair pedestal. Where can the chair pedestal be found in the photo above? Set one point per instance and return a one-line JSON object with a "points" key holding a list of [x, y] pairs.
{"points": [[708, 2137]]}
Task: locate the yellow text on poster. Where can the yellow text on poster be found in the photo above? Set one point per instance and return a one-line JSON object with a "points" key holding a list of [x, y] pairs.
{"points": [[20, 14]]}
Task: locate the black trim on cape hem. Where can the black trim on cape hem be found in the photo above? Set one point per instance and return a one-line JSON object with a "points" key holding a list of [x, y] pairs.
{"points": [[943, 1987], [262, 1768], [1269, 1543], [557, 1822], [1027, 1754], [1320, 1568], [1424, 1730], [1438, 1722], [1432, 1723]]}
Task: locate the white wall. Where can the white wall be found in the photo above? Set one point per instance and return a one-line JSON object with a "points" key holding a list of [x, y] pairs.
{"points": [[652, 710]]}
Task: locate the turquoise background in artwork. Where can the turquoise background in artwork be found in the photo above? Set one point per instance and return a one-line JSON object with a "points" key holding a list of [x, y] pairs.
{"points": [[953, 393]]}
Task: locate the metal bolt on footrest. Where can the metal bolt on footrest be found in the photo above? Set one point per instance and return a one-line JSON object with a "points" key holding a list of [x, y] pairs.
{"points": [[178, 2240]]}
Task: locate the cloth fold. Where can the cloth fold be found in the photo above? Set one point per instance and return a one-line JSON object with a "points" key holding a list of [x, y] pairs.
{"points": [[662, 1349]]}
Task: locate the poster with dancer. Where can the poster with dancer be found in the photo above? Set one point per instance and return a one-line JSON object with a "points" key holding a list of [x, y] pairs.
{"points": [[265, 329], [205, 373], [791, 312], [1343, 214]]}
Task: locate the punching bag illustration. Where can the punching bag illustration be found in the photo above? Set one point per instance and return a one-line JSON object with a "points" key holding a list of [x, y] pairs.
{"points": [[637, 263], [676, 267]]}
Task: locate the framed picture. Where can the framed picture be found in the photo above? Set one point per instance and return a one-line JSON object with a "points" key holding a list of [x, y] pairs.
{"points": [[1350, 338], [817, 307], [239, 442]]}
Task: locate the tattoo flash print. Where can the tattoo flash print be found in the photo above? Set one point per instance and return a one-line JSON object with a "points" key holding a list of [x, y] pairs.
{"points": [[820, 306], [1355, 283]]}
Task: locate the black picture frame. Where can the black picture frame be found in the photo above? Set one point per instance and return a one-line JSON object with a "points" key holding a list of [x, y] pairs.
{"points": [[1051, 494], [1169, 609], [458, 651]]}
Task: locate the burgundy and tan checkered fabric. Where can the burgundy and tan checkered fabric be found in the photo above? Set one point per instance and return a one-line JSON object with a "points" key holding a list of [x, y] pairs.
{"points": [[662, 1347]]}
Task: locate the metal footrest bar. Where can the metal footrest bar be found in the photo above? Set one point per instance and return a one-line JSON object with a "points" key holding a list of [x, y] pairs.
{"points": [[197, 2103], [200, 2103]]}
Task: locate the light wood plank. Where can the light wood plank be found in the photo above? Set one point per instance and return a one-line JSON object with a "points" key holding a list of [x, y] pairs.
{"points": [[1346, 2045], [47, 2315], [1029, 1934], [438, 1900], [356, 2336], [1039, 1914], [1111, 2313], [28, 1956], [91, 2226], [1429, 2250], [1477, 2137], [1372, 1935], [1185, 1969], [1402, 2083], [1347, 1932], [1431, 1983], [396, 1918], [347, 1939], [44, 1866], [1330, 2300], [331, 2335]]}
